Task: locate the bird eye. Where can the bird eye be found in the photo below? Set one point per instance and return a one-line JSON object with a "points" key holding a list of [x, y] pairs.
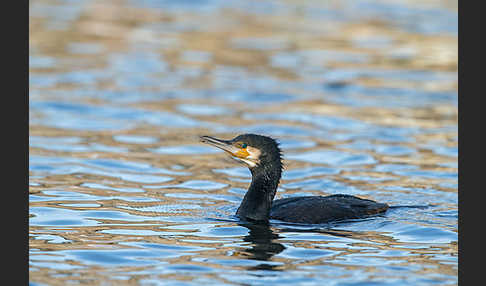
{"points": [[243, 145]]}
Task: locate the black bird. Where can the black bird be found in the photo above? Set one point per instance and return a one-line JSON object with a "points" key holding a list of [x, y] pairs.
{"points": [[264, 159]]}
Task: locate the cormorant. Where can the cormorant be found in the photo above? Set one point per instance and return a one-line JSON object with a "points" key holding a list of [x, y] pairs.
{"points": [[264, 159]]}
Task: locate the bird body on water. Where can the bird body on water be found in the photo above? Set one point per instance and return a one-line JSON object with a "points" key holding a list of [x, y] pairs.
{"points": [[264, 159]]}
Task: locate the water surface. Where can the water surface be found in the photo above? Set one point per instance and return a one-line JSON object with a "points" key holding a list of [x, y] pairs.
{"points": [[362, 96]]}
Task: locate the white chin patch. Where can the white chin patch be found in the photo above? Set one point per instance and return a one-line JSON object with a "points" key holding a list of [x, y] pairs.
{"points": [[248, 162], [253, 159]]}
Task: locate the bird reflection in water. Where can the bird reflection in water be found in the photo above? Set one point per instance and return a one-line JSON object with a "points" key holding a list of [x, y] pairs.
{"points": [[263, 245], [264, 240]]}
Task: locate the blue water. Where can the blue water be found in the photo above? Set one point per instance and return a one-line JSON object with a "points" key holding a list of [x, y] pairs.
{"points": [[361, 95]]}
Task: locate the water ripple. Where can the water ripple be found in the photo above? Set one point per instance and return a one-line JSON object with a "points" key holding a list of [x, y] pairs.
{"points": [[333, 158], [362, 96]]}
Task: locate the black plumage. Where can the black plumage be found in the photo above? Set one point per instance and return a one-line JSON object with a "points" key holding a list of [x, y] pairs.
{"points": [[264, 158]]}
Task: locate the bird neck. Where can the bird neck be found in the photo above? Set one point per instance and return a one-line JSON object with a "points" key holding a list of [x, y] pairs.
{"points": [[258, 199]]}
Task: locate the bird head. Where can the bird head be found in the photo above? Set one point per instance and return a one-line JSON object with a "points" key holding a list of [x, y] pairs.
{"points": [[254, 150]]}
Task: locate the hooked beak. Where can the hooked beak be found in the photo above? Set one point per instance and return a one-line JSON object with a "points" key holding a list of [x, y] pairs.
{"points": [[242, 154], [224, 145]]}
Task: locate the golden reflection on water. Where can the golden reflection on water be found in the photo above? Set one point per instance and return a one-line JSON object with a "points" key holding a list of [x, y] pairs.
{"points": [[141, 184]]}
